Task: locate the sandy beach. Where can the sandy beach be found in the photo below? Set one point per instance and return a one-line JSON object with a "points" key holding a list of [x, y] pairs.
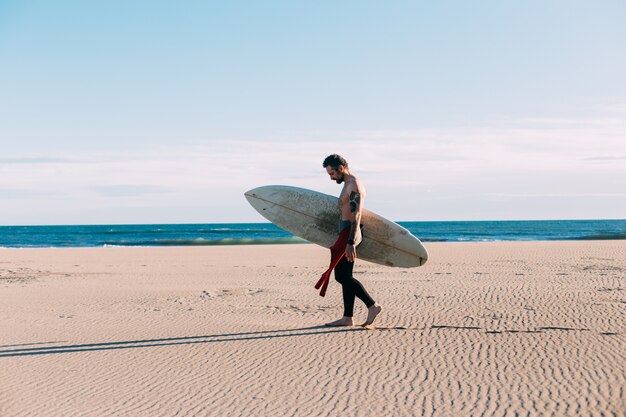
{"points": [[520, 328]]}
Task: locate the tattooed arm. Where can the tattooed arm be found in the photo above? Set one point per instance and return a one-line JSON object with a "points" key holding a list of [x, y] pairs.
{"points": [[355, 199]]}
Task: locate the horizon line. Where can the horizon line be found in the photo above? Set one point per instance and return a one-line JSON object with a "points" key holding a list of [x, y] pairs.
{"points": [[266, 222]]}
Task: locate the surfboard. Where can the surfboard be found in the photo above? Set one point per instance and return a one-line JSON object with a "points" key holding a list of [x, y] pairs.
{"points": [[314, 216]]}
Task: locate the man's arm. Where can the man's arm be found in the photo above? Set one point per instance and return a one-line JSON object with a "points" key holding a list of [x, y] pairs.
{"points": [[355, 214], [355, 220]]}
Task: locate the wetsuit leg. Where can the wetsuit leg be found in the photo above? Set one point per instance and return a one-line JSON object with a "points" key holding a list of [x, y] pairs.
{"points": [[351, 287]]}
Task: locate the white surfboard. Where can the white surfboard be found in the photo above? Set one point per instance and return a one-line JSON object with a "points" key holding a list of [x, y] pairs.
{"points": [[314, 216]]}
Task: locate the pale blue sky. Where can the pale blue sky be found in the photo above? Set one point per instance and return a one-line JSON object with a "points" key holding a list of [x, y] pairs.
{"points": [[166, 112]]}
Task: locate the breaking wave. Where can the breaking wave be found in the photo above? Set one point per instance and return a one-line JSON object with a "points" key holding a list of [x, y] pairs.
{"points": [[209, 242]]}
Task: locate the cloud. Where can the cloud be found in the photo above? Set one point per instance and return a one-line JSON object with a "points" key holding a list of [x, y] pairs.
{"points": [[557, 195], [24, 194], [435, 170], [605, 158], [129, 190], [35, 160]]}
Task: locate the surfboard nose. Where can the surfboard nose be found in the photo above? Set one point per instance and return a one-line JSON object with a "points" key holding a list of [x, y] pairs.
{"points": [[265, 191], [256, 191], [251, 195], [259, 197]]}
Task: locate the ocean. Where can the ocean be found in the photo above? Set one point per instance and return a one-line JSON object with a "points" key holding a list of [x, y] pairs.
{"points": [[267, 233]]}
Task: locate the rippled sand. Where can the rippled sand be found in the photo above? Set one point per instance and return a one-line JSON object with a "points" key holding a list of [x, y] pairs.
{"points": [[533, 328]]}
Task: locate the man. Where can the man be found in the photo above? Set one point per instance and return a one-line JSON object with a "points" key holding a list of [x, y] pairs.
{"points": [[350, 207]]}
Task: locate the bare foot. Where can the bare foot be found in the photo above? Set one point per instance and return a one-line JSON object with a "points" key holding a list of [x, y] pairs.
{"points": [[372, 313], [344, 321]]}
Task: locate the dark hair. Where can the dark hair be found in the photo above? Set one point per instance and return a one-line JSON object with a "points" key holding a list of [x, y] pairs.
{"points": [[335, 161]]}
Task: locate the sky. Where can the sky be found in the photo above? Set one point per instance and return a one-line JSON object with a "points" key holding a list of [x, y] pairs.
{"points": [[167, 112]]}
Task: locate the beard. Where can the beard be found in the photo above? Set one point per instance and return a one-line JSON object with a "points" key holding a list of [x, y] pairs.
{"points": [[340, 179]]}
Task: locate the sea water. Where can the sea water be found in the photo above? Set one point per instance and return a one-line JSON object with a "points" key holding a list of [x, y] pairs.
{"points": [[267, 233]]}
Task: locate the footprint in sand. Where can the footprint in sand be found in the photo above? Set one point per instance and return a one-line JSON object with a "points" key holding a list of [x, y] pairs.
{"points": [[608, 289], [231, 292]]}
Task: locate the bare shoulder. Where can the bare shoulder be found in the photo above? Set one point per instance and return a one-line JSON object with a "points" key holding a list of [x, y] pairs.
{"points": [[352, 187], [355, 192], [358, 187]]}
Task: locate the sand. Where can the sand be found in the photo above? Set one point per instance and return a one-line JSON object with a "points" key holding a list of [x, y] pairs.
{"points": [[502, 329]]}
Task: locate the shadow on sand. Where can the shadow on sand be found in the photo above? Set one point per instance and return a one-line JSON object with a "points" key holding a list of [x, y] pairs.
{"points": [[173, 341]]}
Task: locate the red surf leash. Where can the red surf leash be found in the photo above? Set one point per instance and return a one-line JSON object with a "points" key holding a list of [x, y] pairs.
{"points": [[337, 251]]}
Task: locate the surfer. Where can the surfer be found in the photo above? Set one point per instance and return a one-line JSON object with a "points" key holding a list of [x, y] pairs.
{"points": [[350, 207]]}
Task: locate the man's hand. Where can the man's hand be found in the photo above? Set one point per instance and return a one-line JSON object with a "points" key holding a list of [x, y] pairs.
{"points": [[350, 252]]}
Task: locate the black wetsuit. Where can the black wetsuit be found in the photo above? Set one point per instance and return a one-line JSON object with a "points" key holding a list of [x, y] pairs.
{"points": [[351, 286]]}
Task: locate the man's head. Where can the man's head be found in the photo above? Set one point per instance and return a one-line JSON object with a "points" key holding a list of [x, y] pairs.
{"points": [[336, 167]]}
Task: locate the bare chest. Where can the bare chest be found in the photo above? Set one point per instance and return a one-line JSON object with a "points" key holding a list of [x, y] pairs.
{"points": [[344, 198]]}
